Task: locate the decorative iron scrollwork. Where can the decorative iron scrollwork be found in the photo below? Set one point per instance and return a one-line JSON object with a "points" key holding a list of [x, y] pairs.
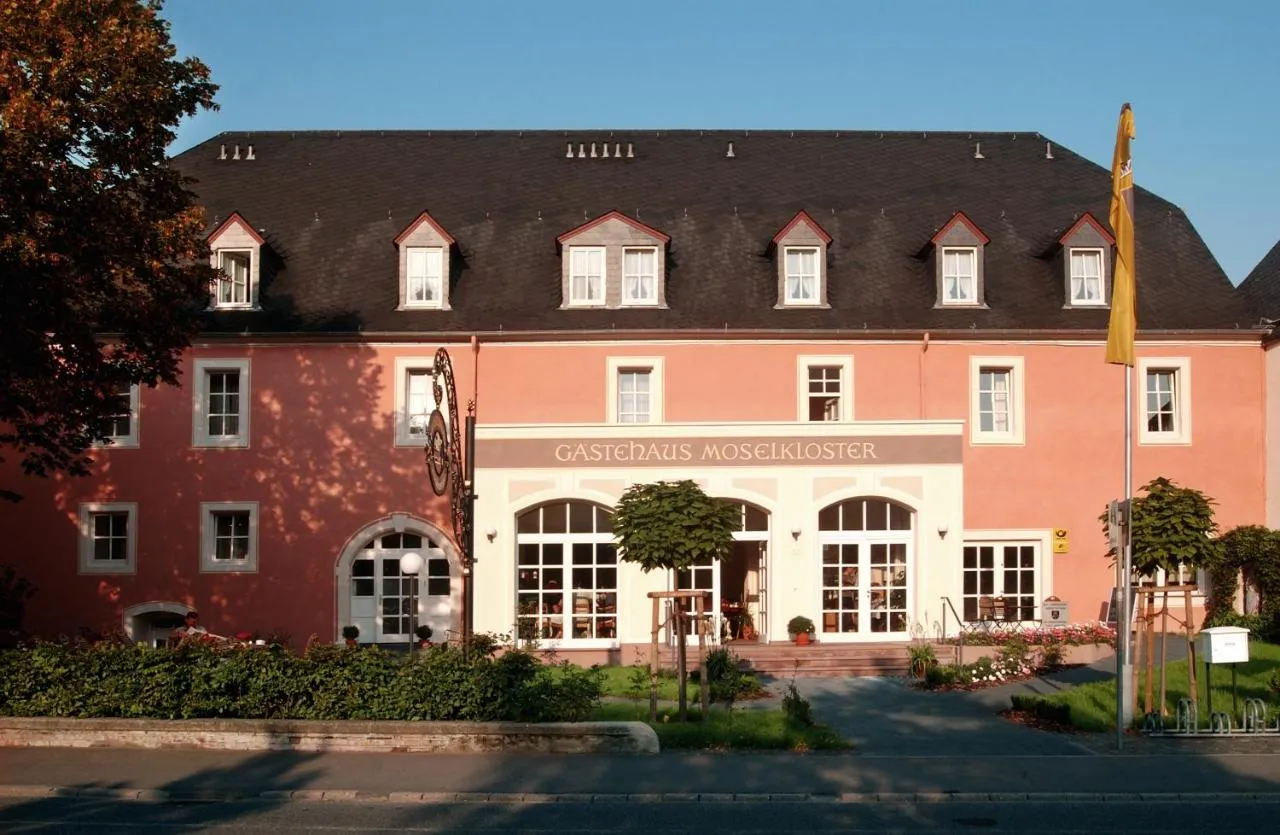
{"points": [[444, 451]]}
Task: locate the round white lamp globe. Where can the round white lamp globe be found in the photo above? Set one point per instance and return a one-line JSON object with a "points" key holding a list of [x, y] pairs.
{"points": [[410, 563]]}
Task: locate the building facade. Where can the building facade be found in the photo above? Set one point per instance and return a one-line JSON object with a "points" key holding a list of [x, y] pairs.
{"points": [[886, 349]]}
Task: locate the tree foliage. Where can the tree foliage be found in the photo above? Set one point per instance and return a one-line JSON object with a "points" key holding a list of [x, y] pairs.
{"points": [[103, 263], [1171, 526], [672, 525]]}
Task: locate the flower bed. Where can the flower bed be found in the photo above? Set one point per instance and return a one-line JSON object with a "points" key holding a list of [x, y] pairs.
{"points": [[1071, 635], [1015, 660]]}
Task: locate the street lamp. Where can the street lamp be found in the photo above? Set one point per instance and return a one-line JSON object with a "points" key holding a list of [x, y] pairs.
{"points": [[411, 564]]}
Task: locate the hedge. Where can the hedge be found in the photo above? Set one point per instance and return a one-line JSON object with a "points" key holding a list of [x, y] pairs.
{"points": [[197, 681]]}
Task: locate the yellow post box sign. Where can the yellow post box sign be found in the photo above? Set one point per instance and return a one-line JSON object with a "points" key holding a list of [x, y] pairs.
{"points": [[1061, 544]]}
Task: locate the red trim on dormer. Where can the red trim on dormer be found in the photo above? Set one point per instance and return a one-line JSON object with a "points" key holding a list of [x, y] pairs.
{"points": [[236, 217], [959, 217], [426, 218], [613, 215], [1090, 220], [802, 217]]}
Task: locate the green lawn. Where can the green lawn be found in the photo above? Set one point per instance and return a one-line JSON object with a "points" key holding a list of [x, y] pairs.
{"points": [[1092, 707], [743, 729], [619, 682]]}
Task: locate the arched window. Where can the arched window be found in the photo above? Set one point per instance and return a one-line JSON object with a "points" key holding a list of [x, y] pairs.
{"points": [[865, 577], [566, 573]]}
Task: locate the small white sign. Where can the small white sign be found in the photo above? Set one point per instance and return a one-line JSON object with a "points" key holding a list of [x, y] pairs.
{"points": [[1224, 645]]}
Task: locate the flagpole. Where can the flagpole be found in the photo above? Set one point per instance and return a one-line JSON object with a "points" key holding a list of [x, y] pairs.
{"points": [[1124, 629]]}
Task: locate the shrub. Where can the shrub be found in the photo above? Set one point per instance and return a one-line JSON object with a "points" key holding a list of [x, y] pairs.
{"points": [[1041, 708], [797, 708], [326, 682], [922, 657]]}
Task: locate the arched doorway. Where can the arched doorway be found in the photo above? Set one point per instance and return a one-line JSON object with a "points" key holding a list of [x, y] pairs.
{"points": [[152, 623], [738, 584], [567, 575], [375, 597], [866, 576]]}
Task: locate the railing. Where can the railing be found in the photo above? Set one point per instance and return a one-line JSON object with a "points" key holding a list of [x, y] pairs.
{"points": [[959, 625]]}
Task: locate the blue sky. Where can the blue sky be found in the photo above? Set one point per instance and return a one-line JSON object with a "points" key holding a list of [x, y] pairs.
{"points": [[1202, 77]]}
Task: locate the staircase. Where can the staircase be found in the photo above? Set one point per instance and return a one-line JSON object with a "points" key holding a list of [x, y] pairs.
{"points": [[785, 659]]}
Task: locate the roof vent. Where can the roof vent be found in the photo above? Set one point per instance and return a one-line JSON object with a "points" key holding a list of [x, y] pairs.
{"points": [[1048, 150], [568, 151], [977, 151], [729, 153], [222, 152], [250, 155], [630, 151], [236, 155]]}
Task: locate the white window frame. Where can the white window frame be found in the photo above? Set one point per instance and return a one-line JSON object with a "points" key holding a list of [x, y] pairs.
{"points": [[1000, 538], [439, 278], [574, 301], [807, 361], [652, 298], [654, 365], [1017, 432], [1101, 301], [129, 441], [200, 428], [787, 299], [1181, 368], [1160, 577], [250, 290], [405, 365], [208, 531], [88, 565], [972, 252]]}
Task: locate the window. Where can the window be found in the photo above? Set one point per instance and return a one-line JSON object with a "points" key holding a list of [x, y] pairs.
{"points": [[825, 388], [1165, 416], [229, 536], [108, 538], [865, 584], [802, 275], [424, 277], [235, 288], [1186, 575], [221, 405], [1086, 277], [586, 275], [635, 390], [567, 574], [382, 597], [996, 400], [415, 399], [121, 428], [959, 276], [1000, 581], [639, 276]]}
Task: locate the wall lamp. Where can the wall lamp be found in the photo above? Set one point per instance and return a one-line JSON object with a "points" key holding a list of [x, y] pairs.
{"points": [[942, 532], [492, 534], [795, 532]]}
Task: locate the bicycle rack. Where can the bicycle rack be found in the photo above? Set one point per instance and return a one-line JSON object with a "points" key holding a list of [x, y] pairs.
{"points": [[1255, 716], [1153, 723], [1188, 717], [1220, 722]]}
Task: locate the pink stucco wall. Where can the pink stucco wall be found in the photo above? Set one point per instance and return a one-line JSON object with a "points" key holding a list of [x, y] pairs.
{"points": [[322, 461]]}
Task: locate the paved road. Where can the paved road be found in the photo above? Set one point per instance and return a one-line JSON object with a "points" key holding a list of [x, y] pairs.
{"points": [[73, 816]]}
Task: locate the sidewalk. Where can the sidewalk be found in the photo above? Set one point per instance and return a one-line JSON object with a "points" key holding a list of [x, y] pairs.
{"points": [[217, 775]]}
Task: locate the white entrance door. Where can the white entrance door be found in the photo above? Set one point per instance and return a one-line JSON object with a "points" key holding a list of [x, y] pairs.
{"points": [[866, 570], [382, 597], [703, 575]]}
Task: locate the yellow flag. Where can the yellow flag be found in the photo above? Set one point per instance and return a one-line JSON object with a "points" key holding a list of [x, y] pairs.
{"points": [[1124, 317]]}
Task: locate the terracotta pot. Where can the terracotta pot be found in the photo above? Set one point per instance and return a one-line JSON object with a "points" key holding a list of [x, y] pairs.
{"points": [[802, 638], [352, 643]]}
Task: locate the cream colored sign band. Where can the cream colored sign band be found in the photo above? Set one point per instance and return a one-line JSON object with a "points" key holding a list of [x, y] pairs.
{"points": [[557, 453]]}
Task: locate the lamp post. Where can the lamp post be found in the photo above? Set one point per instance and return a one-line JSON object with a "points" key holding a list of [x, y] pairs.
{"points": [[411, 564]]}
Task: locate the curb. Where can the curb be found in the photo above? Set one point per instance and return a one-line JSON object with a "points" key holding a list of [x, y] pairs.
{"points": [[509, 798]]}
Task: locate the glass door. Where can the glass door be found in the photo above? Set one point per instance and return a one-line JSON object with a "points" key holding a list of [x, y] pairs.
{"points": [[703, 575]]}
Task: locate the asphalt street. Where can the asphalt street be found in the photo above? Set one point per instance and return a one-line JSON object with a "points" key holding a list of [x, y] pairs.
{"points": [[69, 815]]}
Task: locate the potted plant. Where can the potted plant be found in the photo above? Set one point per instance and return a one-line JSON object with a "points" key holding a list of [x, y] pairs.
{"points": [[424, 635], [801, 629], [351, 633]]}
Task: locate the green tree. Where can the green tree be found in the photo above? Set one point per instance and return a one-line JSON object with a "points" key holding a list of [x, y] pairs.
{"points": [[1171, 526], [672, 525], [103, 263]]}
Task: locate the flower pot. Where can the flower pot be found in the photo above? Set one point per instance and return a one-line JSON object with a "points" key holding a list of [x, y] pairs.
{"points": [[802, 639], [352, 643]]}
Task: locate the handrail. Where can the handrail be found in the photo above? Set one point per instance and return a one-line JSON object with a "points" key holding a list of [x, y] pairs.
{"points": [[959, 627]]}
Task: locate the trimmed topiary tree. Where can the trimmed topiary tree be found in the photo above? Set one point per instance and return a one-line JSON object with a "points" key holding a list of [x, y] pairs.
{"points": [[1171, 526], [672, 525]]}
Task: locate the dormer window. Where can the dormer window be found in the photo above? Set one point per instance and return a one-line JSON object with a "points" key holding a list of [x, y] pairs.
{"points": [[1086, 277], [424, 271], [236, 252], [424, 249], [959, 275], [613, 261], [1085, 256], [586, 275], [801, 248], [958, 249], [639, 276]]}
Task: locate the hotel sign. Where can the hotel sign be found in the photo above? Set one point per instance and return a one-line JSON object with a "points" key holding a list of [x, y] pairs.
{"points": [[560, 453]]}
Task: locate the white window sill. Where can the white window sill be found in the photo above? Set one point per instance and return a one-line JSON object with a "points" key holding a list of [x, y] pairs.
{"points": [[965, 305], [116, 443], [440, 306], [214, 308], [996, 440], [584, 306], [237, 442], [802, 305], [117, 568], [210, 566], [412, 441], [1145, 439], [1086, 306]]}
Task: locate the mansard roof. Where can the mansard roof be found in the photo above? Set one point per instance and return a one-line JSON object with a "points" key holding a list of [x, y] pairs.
{"points": [[331, 203]]}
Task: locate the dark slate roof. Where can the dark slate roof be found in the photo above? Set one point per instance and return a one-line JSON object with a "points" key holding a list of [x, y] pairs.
{"points": [[1261, 288], [330, 204]]}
